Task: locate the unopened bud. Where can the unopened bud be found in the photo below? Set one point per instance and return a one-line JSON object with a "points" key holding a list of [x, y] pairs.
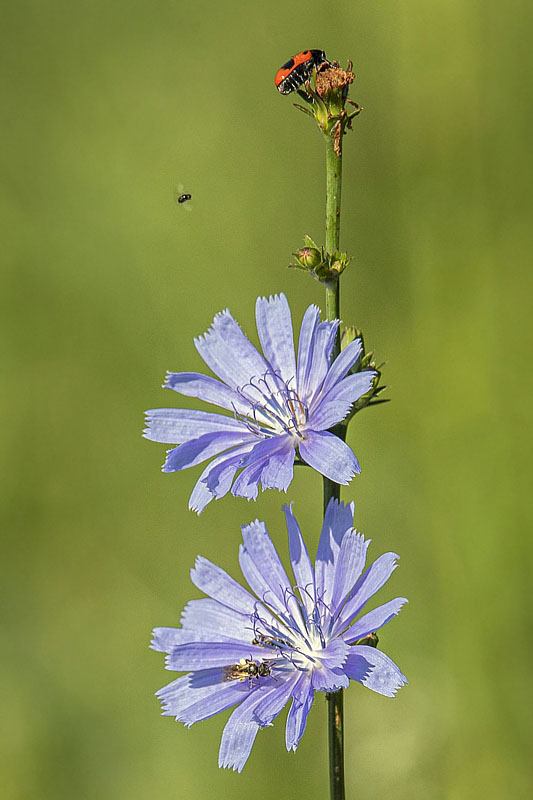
{"points": [[309, 257], [349, 333], [370, 641]]}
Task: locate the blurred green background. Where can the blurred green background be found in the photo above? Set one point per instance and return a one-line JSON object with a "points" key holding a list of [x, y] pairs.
{"points": [[107, 107]]}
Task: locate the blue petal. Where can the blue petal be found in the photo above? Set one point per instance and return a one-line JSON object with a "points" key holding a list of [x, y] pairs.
{"points": [[305, 349], [264, 572], [279, 469], [216, 479], [274, 457], [275, 700], [221, 587], [164, 639], [298, 713], [239, 734], [341, 365], [191, 691], [320, 362], [334, 654], [302, 688], [329, 680], [195, 451], [271, 462], [337, 520], [194, 384], [178, 425], [274, 326], [175, 696], [270, 604], [329, 414], [301, 563], [219, 475], [373, 579], [191, 635], [201, 496], [207, 677], [329, 455], [374, 669], [211, 621], [353, 387], [333, 407], [375, 619], [179, 694], [247, 483], [219, 699], [204, 655], [227, 351], [349, 565]]}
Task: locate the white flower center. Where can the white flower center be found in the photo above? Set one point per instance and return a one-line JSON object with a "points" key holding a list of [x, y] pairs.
{"points": [[277, 409], [299, 643]]}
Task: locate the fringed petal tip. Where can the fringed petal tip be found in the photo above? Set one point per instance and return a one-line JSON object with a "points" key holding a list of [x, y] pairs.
{"points": [[249, 526], [147, 425], [220, 315], [272, 298], [231, 765], [156, 642], [374, 669], [196, 510], [392, 688]]}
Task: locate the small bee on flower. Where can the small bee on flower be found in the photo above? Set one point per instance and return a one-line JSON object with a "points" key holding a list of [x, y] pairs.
{"points": [[246, 668]]}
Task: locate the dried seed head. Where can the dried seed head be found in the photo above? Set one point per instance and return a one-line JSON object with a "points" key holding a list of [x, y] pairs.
{"points": [[332, 78]]}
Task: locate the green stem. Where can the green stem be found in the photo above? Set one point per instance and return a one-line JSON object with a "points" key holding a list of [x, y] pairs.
{"points": [[331, 489], [336, 745], [333, 227], [333, 194]]}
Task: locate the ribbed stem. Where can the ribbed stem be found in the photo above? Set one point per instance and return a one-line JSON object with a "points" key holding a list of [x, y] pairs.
{"points": [[331, 489], [333, 226]]}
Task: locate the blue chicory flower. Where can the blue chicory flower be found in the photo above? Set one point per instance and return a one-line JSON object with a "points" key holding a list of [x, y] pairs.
{"points": [[285, 643], [279, 404]]}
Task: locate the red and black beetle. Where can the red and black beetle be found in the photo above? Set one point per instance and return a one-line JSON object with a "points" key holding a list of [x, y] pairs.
{"points": [[298, 69]]}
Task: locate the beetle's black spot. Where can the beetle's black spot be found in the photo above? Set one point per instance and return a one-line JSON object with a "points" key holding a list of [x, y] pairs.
{"points": [[289, 64]]}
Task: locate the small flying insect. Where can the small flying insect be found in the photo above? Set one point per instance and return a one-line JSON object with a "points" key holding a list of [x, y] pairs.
{"points": [[247, 668], [181, 197]]}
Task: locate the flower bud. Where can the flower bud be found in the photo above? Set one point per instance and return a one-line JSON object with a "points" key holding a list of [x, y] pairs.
{"points": [[348, 334], [309, 257], [364, 363], [371, 640]]}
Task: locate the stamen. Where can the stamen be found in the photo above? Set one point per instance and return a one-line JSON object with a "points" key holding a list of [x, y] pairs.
{"points": [[275, 407], [305, 590], [300, 636]]}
